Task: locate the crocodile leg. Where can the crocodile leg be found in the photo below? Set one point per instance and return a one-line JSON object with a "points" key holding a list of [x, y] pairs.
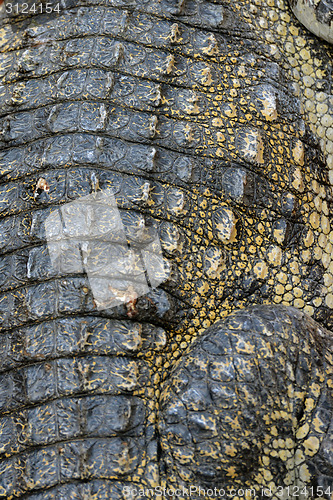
{"points": [[249, 407]]}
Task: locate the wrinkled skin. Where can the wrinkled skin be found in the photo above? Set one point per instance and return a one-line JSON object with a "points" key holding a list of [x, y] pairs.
{"points": [[212, 123]]}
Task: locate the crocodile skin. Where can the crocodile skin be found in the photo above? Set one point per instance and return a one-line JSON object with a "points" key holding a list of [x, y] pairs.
{"points": [[211, 122]]}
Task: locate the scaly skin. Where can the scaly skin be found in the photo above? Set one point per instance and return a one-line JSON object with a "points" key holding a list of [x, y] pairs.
{"points": [[213, 121]]}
